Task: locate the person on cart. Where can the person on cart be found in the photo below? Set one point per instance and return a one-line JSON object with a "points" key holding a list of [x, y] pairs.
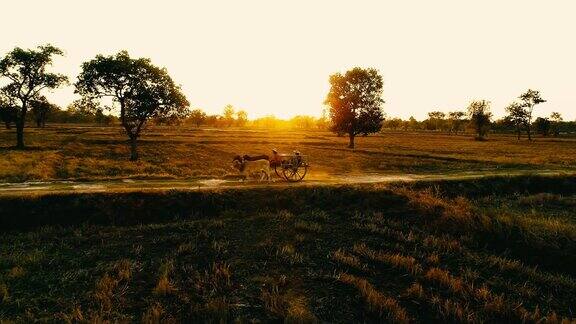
{"points": [[275, 159]]}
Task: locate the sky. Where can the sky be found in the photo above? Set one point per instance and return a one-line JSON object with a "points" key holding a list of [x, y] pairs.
{"points": [[275, 57]]}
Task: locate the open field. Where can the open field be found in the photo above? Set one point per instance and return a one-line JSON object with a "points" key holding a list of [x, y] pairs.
{"points": [[90, 153], [494, 249], [409, 227]]}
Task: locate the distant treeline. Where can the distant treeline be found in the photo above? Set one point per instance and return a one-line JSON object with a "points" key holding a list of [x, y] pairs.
{"points": [[43, 111], [452, 123], [439, 122], [231, 117]]}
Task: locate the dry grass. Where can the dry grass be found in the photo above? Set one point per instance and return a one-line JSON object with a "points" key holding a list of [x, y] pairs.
{"points": [[85, 151], [345, 258], [16, 272], [153, 314], [396, 264], [104, 292], [164, 285], [385, 306], [288, 307], [396, 260], [415, 291], [4, 295], [288, 254], [443, 278], [308, 226]]}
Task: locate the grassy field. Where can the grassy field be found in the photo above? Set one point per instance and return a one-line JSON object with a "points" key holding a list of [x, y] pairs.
{"points": [[443, 251], [90, 152], [497, 249]]}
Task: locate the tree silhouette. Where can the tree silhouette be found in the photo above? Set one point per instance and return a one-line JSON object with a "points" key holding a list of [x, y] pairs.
{"points": [[436, 118], [543, 126], [479, 112], [40, 109], [228, 115], [141, 90], [517, 116], [530, 99], [355, 101], [27, 75], [197, 116], [241, 118], [456, 120], [556, 119]]}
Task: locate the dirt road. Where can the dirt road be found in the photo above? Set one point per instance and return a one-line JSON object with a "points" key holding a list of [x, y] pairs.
{"points": [[41, 187]]}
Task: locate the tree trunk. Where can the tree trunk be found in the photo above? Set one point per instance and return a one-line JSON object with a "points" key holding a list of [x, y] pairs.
{"points": [[351, 143], [20, 134], [7, 124], [529, 133], [20, 121], [133, 148]]}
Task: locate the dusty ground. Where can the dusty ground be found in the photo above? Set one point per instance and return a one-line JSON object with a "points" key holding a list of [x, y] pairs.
{"points": [[80, 152]]}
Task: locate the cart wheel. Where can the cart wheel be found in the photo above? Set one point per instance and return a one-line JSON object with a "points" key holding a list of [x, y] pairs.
{"points": [[278, 172], [295, 174]]}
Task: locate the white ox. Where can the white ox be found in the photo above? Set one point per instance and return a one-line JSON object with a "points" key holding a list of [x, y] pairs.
{"points": [[252, 168]]}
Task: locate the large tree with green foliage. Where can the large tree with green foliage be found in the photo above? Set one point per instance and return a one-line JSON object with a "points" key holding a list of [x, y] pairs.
{"points": [[197, 117], [355, 100], [479, 113], [41, 108], [517, 116], [26, 73], [530, 99], [139, 89]]}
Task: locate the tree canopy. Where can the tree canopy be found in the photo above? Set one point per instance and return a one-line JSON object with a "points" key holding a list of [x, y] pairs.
{"points": [[480, 115], [141, 91], [27, 75], [517, 117], [530, 99], [355, 100]]}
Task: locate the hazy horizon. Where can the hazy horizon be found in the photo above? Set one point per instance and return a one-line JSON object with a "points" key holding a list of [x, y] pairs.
{"points": [[272, 58]]}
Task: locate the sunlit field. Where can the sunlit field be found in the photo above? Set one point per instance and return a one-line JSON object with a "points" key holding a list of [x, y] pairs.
{"points": [[493, 250], [91, 152]]}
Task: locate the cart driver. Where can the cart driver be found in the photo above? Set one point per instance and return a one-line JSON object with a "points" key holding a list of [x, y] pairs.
{"points": [[275, 159]]}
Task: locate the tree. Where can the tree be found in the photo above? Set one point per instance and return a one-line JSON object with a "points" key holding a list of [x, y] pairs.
{"points": [[27, 75], [141, 90], [556, 119], [355, 101], [228, 115], [479, 112], [517, 116], [542, 126], [302, 122], [323, 122], [197, 116], [241, 118], [456, 120], [40, 109], [7, 111], [412, 123], [530, 99], [436, 118]]}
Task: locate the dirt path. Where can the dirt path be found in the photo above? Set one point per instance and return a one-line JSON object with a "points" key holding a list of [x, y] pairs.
{"points": [[41, 187]]}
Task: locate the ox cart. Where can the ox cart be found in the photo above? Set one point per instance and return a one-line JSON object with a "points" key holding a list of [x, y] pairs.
{"points": [[291, 167]]}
